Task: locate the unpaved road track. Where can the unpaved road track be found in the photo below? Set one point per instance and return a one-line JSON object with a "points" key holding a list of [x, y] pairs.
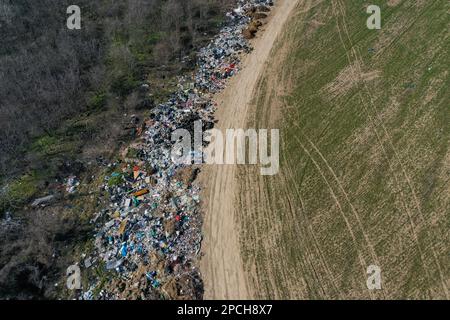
{"points": [[222, 267]]}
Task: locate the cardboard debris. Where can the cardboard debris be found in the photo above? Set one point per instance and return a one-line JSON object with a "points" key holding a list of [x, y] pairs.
{"points": [[123, 226], [136, 172]]}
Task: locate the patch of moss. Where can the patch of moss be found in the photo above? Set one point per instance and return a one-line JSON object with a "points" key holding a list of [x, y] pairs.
{"points": [[122, 85], [104, 277], [44, 144], [97, 101], [19, 191], [132, 153], [154, 38], [115, 179]]}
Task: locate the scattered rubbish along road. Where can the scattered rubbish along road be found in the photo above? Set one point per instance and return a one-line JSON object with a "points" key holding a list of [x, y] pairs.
{"points": [[150, 236], [223, 272]]}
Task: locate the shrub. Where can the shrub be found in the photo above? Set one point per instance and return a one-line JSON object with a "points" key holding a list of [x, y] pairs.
{"points": [[98, 101], [123, 85], [115, 179], [18, 192]]}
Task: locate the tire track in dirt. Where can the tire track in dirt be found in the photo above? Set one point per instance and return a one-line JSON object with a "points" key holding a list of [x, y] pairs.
{"points": [[355, 212], [259, 207], [314, 267], [222, 268], [338, 204], [289, 178], [336, 5], [358, 58]]}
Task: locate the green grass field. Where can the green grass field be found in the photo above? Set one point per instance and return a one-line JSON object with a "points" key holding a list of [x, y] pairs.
{"points": [[365, 159]]}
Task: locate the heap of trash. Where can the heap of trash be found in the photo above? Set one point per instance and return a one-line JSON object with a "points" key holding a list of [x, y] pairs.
{"points": [[149, 238]]}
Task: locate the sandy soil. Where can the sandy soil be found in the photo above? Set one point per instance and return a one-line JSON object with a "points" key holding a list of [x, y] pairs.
{"points": [[221, 266]]}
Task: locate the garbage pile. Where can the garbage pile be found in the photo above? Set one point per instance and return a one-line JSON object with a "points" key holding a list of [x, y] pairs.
{"points": [[150, 236], [71, 184]]}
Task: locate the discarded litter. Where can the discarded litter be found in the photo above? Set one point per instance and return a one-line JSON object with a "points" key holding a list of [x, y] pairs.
{"points": [[150, 234], [71, 184]]}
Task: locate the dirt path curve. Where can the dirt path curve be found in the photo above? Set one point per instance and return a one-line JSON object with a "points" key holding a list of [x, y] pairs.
{"points": [[221, 266]]}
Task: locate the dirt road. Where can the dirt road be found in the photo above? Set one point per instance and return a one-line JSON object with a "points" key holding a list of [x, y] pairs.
{"points": [[221, 266]]}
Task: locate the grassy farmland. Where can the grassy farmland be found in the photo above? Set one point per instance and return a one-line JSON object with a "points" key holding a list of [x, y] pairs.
{"points": [[365, 160]]}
